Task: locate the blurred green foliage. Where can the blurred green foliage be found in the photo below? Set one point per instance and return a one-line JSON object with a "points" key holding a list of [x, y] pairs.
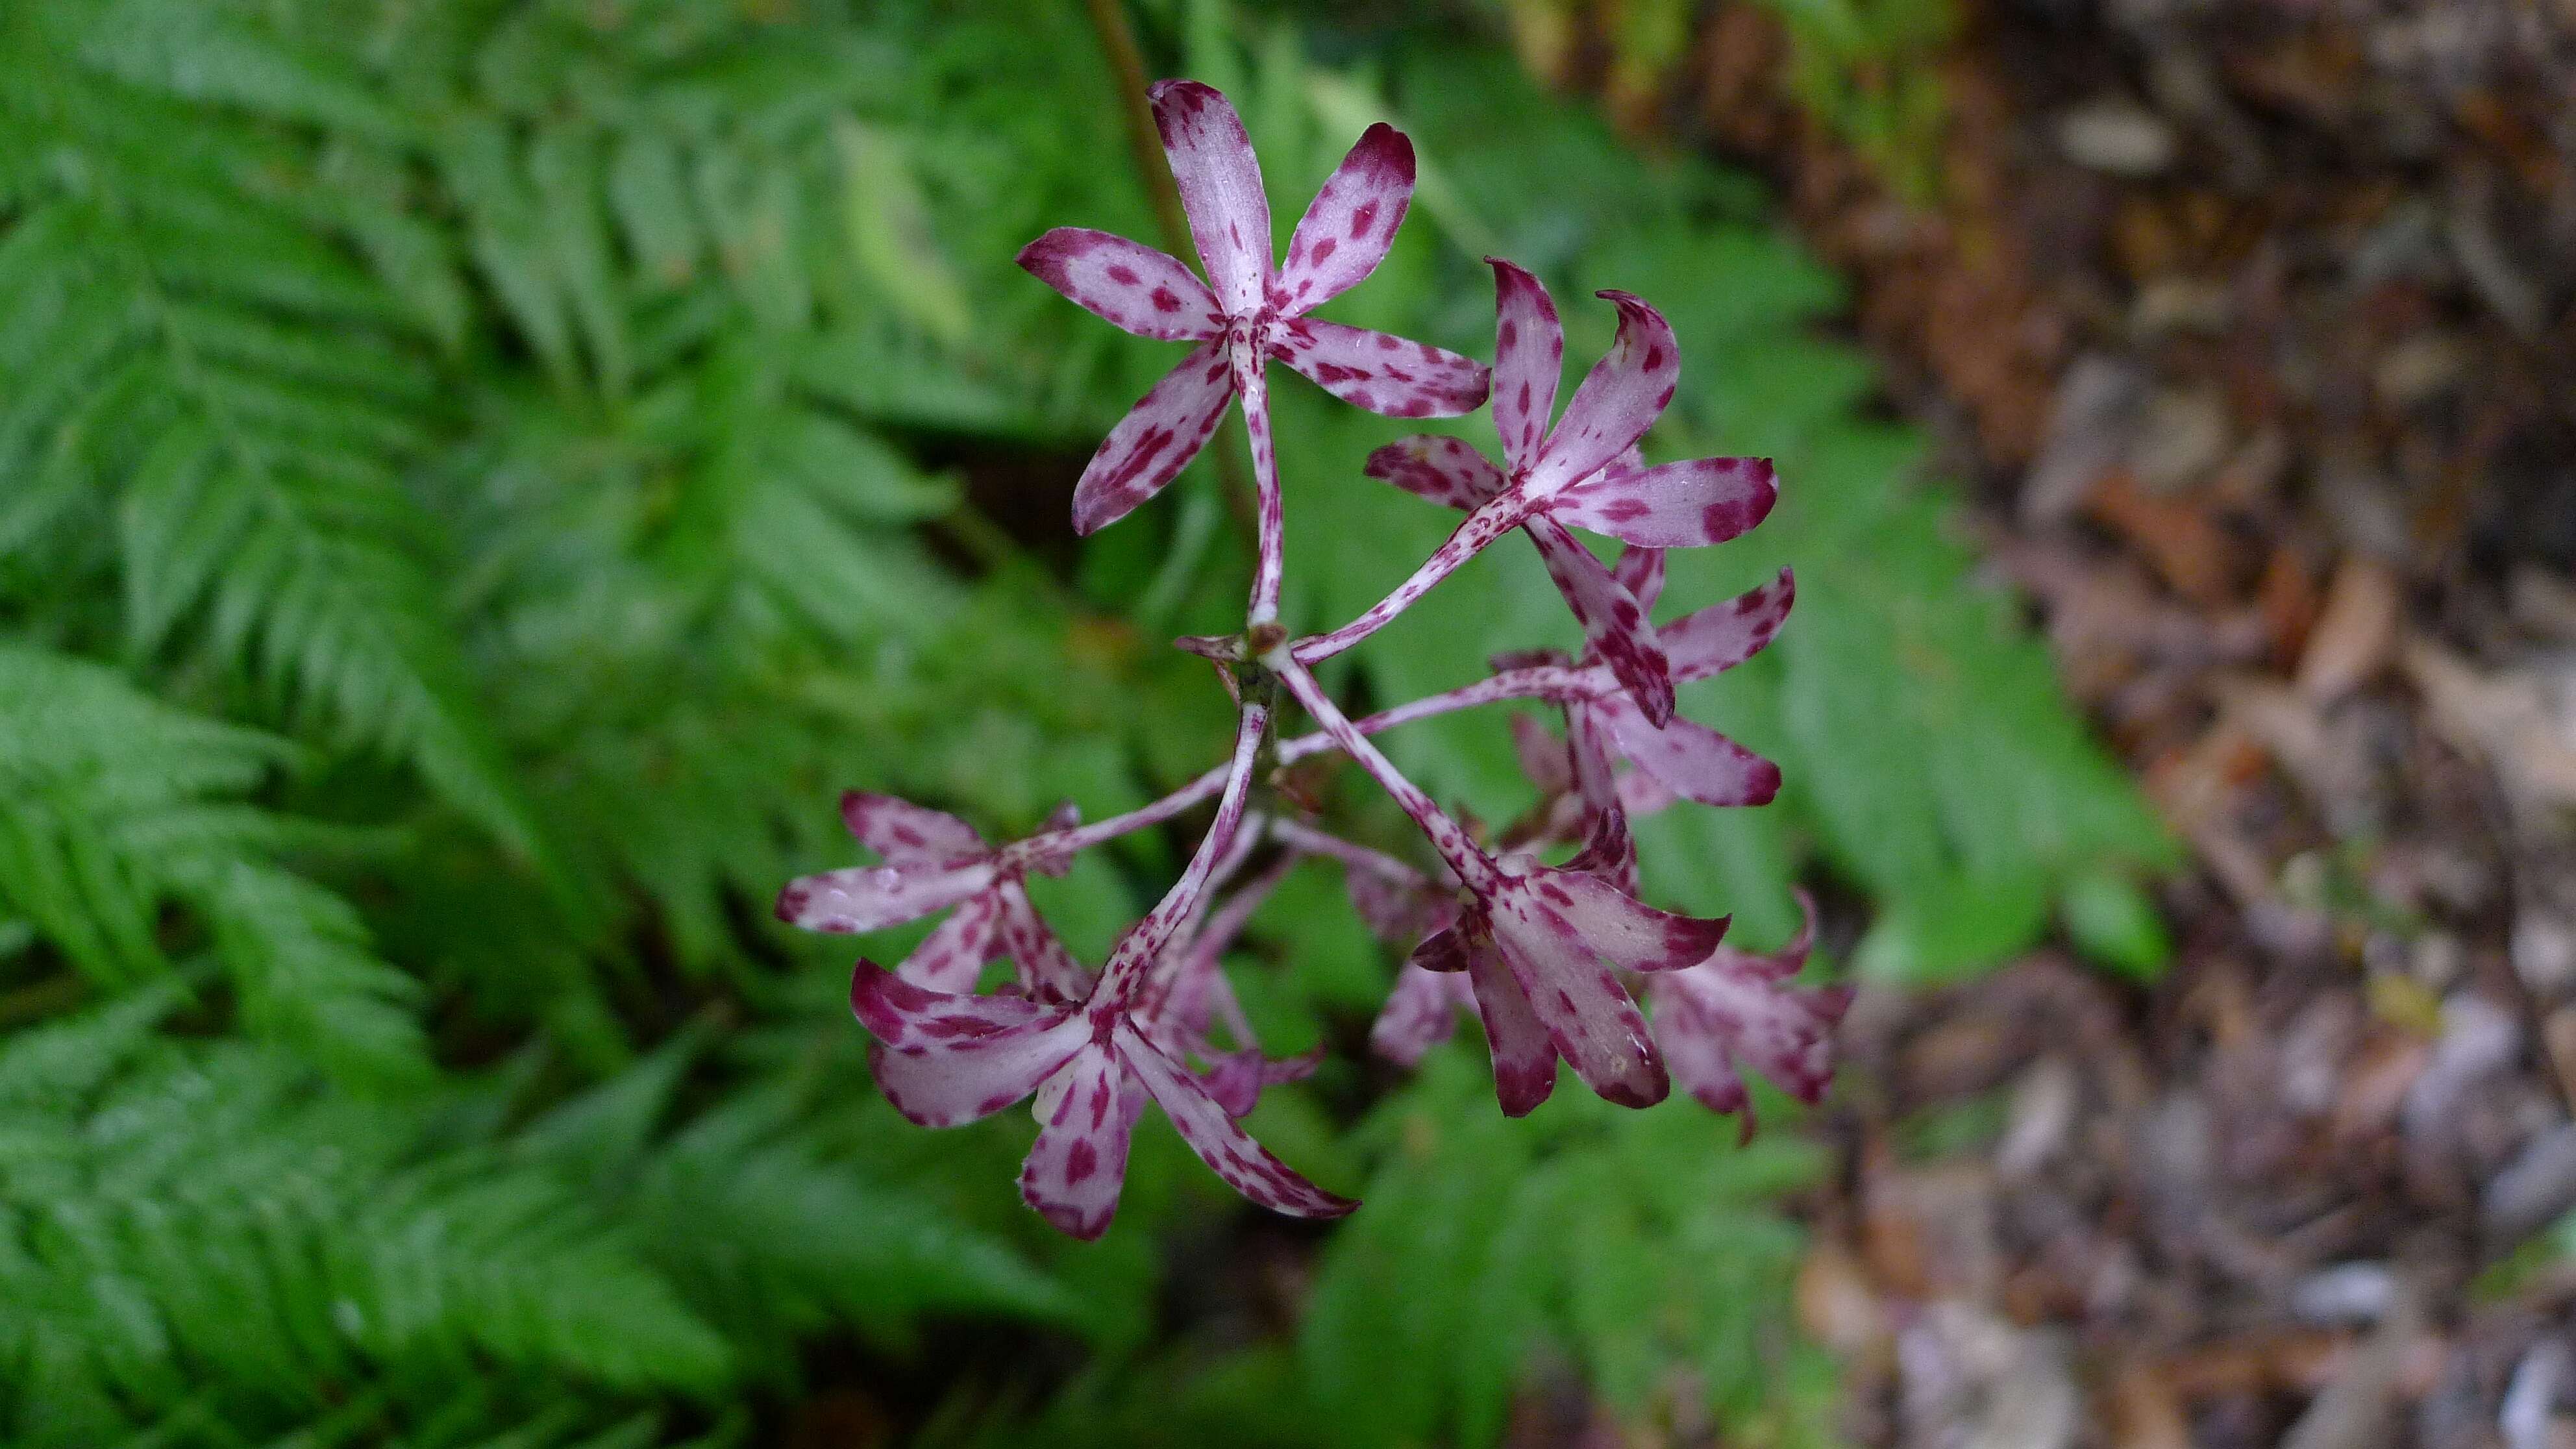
{"points": [[1868, 70], [475, 480]]}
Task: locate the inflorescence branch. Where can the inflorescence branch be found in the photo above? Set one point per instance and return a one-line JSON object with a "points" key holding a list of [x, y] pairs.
{"points": [[1549, 957]]}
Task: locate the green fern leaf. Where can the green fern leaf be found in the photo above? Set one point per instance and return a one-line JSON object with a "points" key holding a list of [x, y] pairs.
{"points": [[116, 803], [211, 352]]}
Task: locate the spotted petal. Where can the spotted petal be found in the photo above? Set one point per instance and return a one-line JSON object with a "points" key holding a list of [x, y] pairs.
{"points": [[945, 1059], [905, 833], [1420, 1013], [1220, 186], [1691, 759], [1350, 223], [1529, 359], [1641, 794], [951, 958], [1679, 505], [1536, 902], [1614, 626], [1609, 851], [1157, 438], [1443, 470], [870, 898], [916, 1019], [1588, 1015], [1127, 283], [1086, 1115], [1619, 399], [1381, 372], [1046, 969], [1246, 1165], [1641, 572], [1524, 1055], [1737, 1009], [1722, 636], [1450, 949]]}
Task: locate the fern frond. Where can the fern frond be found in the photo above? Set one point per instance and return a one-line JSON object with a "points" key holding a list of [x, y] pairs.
{"points": [[808, 1242], [204, 1242], [113, 804], [239, 382], [1629, 1242]]}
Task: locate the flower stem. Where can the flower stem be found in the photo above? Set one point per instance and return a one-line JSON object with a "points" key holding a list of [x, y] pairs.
{"points": [[1251, 379], [1491, 520], [1308, 840], [1207, 942], [1143, 817], [1445, 834], [1141, 947], [1543, 682]]}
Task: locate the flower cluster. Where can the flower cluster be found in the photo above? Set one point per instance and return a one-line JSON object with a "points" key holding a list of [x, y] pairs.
{"points": [[1547, 956]]}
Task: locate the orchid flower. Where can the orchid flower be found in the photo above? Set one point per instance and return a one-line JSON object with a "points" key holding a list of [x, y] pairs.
{"points": [[1583, 473], [1737, 1007], [1537, 944], [948, 1058], [934, 860], [1246, 312], [1678, 757], [1545, 955], [1732, 1007]]}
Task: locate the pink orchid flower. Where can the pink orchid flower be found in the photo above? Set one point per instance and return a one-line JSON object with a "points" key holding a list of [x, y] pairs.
{"points": [[1546, 955], [1583, 473], [1538, 946], [1730, 1007], [1083, 1045], [946, 1059], [1733, 1005], [1678, 758], [1246, 312], [934, 860], [1738, 1008]]}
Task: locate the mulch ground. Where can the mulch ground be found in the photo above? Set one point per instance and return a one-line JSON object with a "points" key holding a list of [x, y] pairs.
{"points": [[2249, 324]]}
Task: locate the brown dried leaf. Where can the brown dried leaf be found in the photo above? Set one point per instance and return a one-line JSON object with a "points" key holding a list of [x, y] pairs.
{"points": [[2507, 719], [2179, 537], [2355, 633]]}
